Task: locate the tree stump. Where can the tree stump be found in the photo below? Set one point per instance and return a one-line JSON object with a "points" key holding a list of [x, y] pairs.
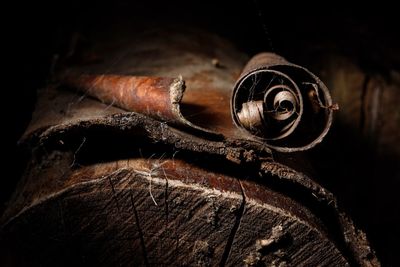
{"points": [[108, 187]]}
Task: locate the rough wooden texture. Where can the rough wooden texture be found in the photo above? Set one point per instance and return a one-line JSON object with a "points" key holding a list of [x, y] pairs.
{"points": [[369, 102], [105, 214], [364, 147], [108, 187]]}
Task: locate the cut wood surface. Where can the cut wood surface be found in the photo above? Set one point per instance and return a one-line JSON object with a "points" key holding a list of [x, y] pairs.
{"points": [[164, 212]]}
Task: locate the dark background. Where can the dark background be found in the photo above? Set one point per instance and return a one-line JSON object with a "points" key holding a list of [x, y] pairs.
{"points": [[366, 34]]}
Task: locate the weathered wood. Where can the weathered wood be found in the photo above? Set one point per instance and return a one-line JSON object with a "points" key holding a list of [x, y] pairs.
{"points": [[105, 214], [109, 187], [364, 147]]}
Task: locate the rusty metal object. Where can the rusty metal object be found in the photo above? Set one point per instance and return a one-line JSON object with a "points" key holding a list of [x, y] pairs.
{"points": [[157, 97], [294, 108]]}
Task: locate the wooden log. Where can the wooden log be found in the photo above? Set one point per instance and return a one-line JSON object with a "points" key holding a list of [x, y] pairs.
{"points": [[108, 187], [162, 212]]}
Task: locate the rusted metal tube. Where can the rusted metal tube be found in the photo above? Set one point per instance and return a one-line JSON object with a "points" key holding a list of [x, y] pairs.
{"points": [[294, 108]]}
